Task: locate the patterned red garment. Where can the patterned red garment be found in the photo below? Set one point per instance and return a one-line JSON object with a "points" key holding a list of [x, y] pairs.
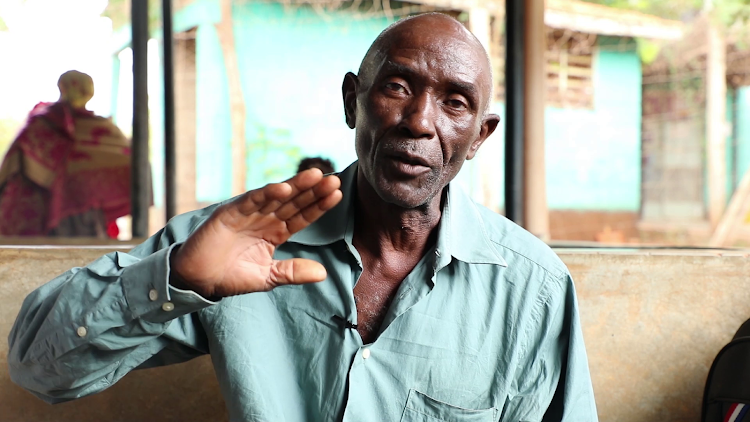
{"points": [[64, 162]]}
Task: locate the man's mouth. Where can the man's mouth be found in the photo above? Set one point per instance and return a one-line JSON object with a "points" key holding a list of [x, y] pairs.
{"points": [[409, 164]]}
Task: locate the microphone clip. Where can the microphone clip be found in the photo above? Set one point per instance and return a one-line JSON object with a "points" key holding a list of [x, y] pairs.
{"points": [[344, 322]]}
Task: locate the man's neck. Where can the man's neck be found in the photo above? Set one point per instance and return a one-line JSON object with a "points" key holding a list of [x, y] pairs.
{"points": [[383, 228]]}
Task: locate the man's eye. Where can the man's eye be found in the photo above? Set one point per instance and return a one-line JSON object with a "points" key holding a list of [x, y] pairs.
{"points": [[396, 87], [456, 103]]}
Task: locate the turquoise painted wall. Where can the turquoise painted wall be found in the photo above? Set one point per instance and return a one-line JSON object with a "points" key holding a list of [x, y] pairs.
{"points": [[594, 156], [214, 125], [738, 139], [292, 63], [743, 131], [728, 146]]}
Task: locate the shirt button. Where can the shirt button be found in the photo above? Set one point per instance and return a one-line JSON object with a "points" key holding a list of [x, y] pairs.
{"points": [[153, 294], [82, 331], [167, 306], [365, 353]]}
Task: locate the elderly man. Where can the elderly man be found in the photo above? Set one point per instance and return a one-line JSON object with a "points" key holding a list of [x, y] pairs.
{"points": [[380, 294]]}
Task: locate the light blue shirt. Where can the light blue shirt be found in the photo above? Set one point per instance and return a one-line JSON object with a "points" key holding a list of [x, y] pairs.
{"points": [[485, 328]]}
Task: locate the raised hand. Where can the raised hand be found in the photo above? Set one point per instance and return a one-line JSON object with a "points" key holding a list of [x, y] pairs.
{"points": [[232, 252]]}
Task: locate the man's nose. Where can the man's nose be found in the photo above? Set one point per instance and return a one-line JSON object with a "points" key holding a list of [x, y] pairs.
{"points": [[418, 119]]}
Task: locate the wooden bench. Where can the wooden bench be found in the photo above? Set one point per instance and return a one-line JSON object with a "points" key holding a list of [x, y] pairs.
{"points": [[653, 322]]}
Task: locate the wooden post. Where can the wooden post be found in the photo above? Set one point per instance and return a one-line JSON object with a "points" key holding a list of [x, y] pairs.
{"points": [[185, 118], [536, 214], [734, 216], [716, 125], [225, 30]]}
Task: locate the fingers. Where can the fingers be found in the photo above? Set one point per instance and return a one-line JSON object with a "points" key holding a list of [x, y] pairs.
{"points": [[254, 200], [301, 182], [311, 213], [296, 271], [308, 197], [269, 198]]}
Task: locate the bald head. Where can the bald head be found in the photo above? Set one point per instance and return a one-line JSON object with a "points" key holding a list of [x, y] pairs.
{"points": [[431, 24], [76, 88]]}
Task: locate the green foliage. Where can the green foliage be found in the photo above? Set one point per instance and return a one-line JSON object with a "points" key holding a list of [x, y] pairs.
{"points": [[647, 50], [726, 12], [731, 12], [273, 153], [3, 26], [668, 9]]}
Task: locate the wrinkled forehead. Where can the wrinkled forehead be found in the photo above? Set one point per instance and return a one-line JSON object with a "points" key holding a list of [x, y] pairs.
{"points": [[451, 54], [443, 43]]}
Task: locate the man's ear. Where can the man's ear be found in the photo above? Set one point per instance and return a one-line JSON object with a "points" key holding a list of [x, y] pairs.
{"points": [[489, 124], [349, 91]]}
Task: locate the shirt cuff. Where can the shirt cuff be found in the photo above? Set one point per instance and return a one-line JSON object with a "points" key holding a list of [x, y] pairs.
{"points": [[149, 295]]}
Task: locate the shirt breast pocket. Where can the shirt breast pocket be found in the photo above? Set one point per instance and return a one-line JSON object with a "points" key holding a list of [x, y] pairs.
{"points": [[422, 408]]}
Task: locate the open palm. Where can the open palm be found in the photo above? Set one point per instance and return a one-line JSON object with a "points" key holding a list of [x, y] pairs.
{"points": [[232, 252]]}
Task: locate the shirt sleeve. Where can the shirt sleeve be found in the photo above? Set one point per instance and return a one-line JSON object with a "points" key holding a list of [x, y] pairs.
{"points": [[87, 328], [555, 383]]}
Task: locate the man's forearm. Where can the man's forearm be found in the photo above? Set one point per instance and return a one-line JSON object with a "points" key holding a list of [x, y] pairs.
{"points": [[82, 331]]}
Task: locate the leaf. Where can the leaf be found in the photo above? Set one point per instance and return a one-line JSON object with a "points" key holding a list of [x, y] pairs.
{"points": [[647, 50]]}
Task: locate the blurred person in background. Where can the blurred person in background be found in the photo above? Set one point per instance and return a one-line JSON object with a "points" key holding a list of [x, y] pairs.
{"points": [[325, 165], [67, 173]]}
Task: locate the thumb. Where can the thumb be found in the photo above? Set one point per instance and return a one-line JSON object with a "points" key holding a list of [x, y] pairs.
{"points": [[297, 271]]}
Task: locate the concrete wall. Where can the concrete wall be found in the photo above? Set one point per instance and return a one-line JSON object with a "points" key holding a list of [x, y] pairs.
{"points": [[653, 323]]}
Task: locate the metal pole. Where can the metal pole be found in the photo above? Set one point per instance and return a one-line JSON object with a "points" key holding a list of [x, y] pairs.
{"points": [[169, 117], [514, 109], [141, 172]]}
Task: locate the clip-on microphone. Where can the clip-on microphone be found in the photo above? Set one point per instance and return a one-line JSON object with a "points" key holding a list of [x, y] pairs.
{"points": [[344, 322]]}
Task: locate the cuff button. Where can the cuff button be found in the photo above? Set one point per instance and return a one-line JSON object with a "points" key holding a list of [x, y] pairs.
{"points": [[167, 306], [82, 331]]}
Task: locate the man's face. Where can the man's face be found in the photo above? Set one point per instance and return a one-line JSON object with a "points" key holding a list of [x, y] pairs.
{"points": [[418, 110]]}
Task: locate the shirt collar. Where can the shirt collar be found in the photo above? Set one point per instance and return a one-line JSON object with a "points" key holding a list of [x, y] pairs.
{"points": [[332, 226], [461, 234]]}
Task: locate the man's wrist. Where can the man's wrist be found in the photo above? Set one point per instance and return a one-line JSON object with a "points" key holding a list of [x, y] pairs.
{"points": [[177, 281]]}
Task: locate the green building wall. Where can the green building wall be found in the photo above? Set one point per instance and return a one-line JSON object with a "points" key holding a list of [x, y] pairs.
{"points": [[742, 134], [292, 62], [594, 156]]}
